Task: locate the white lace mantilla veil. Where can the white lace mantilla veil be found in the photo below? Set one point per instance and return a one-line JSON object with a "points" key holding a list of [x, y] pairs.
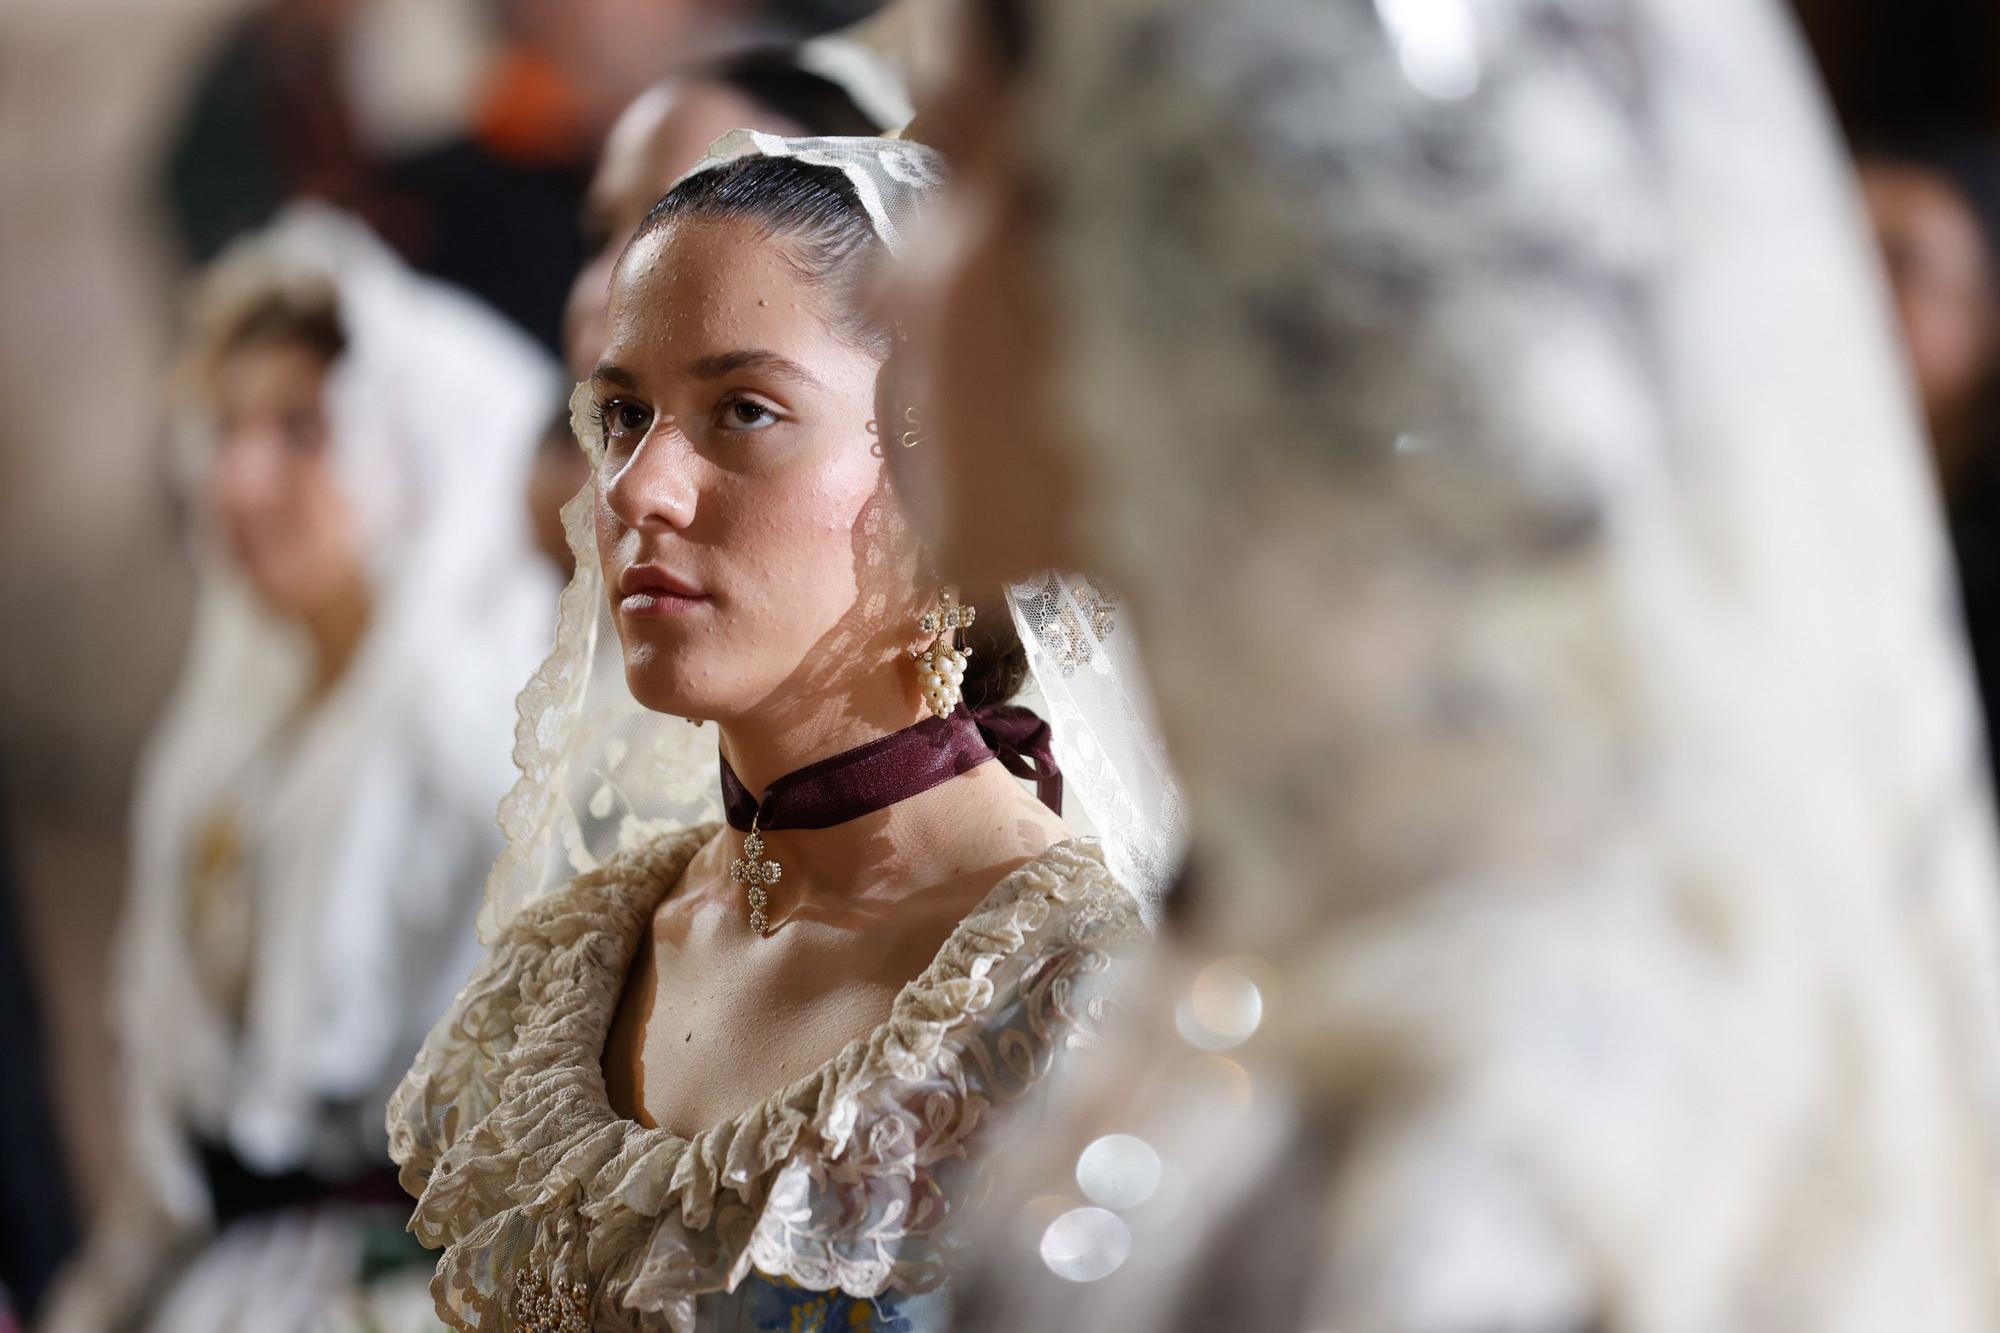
{"points": [[601, 773], [1489, 408]]}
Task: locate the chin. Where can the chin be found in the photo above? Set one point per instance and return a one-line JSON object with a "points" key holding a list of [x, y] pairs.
{"points": [[658, 687], [657, 697], [668, 681]]}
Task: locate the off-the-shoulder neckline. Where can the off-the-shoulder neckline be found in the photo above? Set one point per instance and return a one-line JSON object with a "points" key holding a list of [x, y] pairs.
{"points": [[670, 856]]}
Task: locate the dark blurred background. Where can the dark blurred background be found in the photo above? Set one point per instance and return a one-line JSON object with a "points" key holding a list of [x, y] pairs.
{"points": [[1895, 65]]}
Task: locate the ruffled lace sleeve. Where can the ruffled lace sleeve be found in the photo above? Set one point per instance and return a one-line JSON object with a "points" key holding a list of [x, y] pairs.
{"points": [[848, 1180], [454, 1085]]}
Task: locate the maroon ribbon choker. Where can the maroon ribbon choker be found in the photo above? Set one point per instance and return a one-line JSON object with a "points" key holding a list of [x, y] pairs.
{"points": [[891, 769]]}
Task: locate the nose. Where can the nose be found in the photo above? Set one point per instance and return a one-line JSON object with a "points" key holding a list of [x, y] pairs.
{"points": [[654, 490], [243, 477]]}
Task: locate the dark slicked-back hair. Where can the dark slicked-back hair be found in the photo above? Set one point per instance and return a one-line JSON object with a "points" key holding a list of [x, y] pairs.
{"points": [[815, 216]]}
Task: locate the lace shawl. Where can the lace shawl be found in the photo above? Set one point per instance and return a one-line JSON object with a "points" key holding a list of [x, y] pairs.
{"points": [[846, 1179]]}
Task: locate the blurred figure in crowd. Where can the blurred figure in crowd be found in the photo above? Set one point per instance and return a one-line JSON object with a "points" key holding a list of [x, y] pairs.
{"points": [[1594, 922], [557, 473], [1936, 213], [270, 118], [823, 87], [315, 812], [434, 121], [427, 121], [826, 87]]}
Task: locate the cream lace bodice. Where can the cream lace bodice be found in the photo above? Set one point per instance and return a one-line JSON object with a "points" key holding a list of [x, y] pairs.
{"points": [[555, 1212]]}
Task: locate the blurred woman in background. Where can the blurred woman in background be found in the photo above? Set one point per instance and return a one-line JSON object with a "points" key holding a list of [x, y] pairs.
{"points": [[824, 87], [1936, 213], [314, 818], [1487, 412]]}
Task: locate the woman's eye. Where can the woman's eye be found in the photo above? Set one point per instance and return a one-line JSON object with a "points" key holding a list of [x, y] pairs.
{"points": [[623, 417], [746, 414]]}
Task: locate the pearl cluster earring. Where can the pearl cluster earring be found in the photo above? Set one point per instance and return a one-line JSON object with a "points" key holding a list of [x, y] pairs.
{"points": [[941, 666]]}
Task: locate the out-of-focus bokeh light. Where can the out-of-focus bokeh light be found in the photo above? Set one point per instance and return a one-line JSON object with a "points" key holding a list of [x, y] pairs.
{"points": [[1437, 45], [1222, 1008], [1086, 1244], [1118, 1171]]}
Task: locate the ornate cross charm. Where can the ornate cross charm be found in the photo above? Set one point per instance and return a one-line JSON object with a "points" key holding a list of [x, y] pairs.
{"points": [[540, 1306], [756, 874]]}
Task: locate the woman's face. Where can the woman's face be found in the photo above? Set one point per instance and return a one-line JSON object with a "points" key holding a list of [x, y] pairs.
{"points": [[282, 514], [750, 546], [992, 462], [1944, 284]]}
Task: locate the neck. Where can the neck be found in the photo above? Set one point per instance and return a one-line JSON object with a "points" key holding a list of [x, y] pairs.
{"points": [[857, 684], [765, 746], [934, 837], [912, 841], [336, 628]]}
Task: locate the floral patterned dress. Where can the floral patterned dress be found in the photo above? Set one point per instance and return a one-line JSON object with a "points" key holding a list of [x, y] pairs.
{"points": [[829, 1205]]}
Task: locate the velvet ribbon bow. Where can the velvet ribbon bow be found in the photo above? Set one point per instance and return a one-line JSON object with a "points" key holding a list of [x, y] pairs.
{"points": [[878, 774]]}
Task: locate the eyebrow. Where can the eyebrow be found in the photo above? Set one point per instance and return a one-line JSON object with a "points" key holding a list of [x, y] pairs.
{"points": [[715, 367], [770, 363]]}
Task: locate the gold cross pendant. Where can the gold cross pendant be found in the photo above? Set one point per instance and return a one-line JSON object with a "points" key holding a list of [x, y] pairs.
{"points": [[756, 874], [540, 1306]]}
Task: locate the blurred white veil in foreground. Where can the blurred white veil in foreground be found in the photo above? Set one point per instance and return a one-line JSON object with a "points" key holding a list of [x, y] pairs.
{"points": [[1491, 413]]}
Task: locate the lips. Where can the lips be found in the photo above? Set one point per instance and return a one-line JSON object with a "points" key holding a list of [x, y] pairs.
{"points": [[646, 590]]}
